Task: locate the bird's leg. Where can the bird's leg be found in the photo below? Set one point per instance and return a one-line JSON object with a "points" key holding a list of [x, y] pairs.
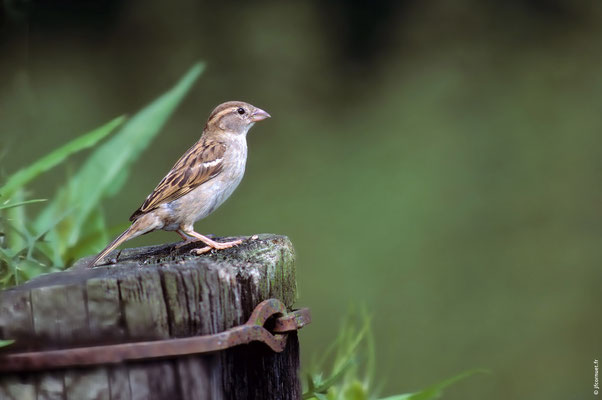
{"points": [[211, 244], [187, 239]]}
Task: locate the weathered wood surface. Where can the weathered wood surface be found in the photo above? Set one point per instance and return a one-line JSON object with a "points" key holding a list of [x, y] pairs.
{"points": [[151, 293]]}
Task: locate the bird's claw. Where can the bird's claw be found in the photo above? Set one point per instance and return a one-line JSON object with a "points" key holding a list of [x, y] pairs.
{"points": [[216, 246], [227, 245], [201, 250]]}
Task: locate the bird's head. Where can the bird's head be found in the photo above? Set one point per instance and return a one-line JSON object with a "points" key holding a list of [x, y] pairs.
{"points": [[235, 117]]}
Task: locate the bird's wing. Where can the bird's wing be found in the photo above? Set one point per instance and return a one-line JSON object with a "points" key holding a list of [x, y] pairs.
{"points": [[200, 163]]}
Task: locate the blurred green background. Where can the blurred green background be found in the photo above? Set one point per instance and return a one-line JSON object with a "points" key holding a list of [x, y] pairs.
{"points": [[436, 161]]}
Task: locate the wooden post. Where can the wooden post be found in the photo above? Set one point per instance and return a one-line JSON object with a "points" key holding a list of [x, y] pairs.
{"points": [[154, 293]]}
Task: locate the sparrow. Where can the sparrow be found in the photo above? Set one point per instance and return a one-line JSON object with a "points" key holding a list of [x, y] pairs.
{"points": [[199, 182]]}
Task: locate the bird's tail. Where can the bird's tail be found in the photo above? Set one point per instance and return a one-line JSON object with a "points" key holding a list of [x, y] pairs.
{"points": [[129, 233]]}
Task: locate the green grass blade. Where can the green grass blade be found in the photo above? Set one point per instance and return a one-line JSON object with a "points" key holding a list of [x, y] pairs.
{"points": [[336, 376], [97, 177], [94, 236], [20, 203], [16, 218], [45, 247], [51, 160], [406, 396], [5, 256], [435, 391]]}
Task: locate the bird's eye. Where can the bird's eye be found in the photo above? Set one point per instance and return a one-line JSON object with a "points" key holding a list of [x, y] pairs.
{"points": [[241, 111]]}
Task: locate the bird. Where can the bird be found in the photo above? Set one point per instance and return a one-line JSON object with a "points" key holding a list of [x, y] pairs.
{"points": [[199, 182]]}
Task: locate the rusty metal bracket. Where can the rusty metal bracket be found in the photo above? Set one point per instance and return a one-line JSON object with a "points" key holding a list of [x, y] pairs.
{"points": [[253, 330]]}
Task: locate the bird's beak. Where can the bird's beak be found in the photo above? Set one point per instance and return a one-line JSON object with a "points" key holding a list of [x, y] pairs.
{"points": [[259, 115]]}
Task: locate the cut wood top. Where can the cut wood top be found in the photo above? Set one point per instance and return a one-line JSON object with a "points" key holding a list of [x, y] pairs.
{"points": [[150, 293]]}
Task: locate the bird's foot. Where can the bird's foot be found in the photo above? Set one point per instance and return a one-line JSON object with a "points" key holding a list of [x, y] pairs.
{"points": [[216, 246], [202, 250]]}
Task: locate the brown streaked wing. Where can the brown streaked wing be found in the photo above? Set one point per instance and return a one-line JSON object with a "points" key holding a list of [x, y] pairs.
{"points": [[198, 165]]}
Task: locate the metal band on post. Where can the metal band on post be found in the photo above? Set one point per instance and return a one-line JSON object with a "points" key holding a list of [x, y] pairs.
{"points": [[253, 330]]}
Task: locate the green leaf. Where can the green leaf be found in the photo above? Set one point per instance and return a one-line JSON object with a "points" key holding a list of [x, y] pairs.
{"points": [[406, 396], [28, 268], [435, 391], [93, 238], [310, 384], [118, 183], [5, 256], [20, 203], [337, 375], [46, 248], [355, 391], [16, 236], [321, 386], [51, 160], [4, 343], [98, 176]]}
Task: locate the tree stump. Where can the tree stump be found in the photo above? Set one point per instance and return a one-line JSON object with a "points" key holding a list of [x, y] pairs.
{"points": [[153, 293]]}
